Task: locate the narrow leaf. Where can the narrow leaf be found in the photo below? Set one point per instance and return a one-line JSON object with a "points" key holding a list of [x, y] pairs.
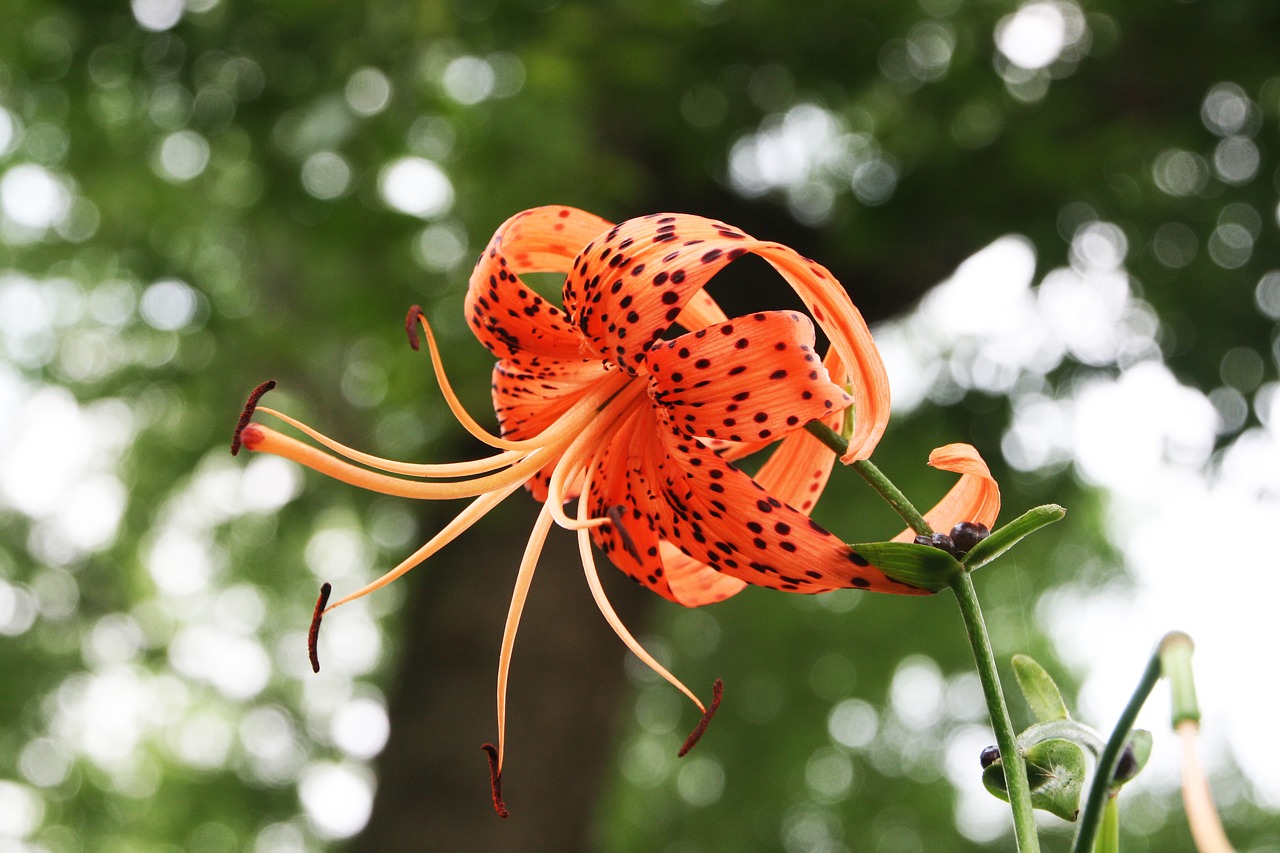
{"points": [[1039, 689], [1004, 538]]}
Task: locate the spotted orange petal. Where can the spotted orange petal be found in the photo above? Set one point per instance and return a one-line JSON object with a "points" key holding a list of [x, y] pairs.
{"points": [[508, 317], [632, 283], [797, 471], [715, 513], [624, 488], [750, 379]]}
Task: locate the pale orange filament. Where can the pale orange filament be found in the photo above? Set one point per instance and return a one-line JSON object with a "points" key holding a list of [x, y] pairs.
{"points": [[412, 469], [606, 609], [570, 467], [263, 439], [475, 511], [524, 578], [464, 418]]}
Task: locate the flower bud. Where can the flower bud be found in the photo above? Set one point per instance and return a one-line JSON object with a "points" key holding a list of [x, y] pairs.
{"points": [[966, 534]]}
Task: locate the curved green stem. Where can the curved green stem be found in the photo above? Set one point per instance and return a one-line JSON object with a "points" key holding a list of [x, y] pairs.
{"points": [[1015, 767], [874, 476], [1106, 769]]}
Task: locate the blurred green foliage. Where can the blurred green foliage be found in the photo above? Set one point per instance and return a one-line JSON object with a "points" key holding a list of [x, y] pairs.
{"points": [[195, 197]]}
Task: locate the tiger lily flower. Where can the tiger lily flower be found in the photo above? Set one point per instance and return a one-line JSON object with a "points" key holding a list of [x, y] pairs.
{"points": [[635, 398]]}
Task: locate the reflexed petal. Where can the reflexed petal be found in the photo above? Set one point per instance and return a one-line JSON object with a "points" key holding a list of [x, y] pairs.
{"points": [[694, 584], [624, 477], [631, 284], [622, 488], [976, 497], [850, 340], [716, 513], [753, 378], [507, 316]]}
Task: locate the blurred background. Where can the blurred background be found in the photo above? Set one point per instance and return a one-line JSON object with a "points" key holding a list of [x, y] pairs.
{"points": [[1060, 216]]}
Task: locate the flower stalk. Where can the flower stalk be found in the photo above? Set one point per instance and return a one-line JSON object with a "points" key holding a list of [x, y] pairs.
{"points": [[961, 584], [1100, 787], [1015, 768]]}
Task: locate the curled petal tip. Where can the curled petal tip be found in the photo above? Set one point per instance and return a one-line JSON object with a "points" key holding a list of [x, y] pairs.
{"points": [[495, 780], [717, 692], [237, 440], [411, 326], [313, 636]]}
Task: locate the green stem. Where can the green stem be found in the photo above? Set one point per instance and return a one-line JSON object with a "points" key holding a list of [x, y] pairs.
{"points": [[874, 476], [1100, 788], [1109, 836], [1015, 767]]}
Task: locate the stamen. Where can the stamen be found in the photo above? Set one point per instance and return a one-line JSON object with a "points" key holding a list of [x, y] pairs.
{"points": [[524, 579], [495, 780], [410, 326], [610, 615], [577, 458], [313, 636], [267, 440], [475, 511], [717, 691], [411, 469], [615, 518], [566, 425], [247, 412]]}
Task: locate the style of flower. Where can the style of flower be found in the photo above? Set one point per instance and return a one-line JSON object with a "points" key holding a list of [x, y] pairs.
{"points": [[636, 398]]}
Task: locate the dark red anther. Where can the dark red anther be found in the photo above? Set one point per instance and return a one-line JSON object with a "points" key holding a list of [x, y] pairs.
{"points": [[411, 326], [313, 636], [247, 413], [495, 780], [615, 518], [717, 691]]}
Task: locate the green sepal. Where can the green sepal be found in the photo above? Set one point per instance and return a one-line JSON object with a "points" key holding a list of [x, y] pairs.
{"points": [[921, 566], [1039, 689], [1055, 771], [1004, 538]]}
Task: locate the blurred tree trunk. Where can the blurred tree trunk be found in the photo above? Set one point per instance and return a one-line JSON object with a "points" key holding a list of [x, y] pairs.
{"points": [[567, 680]]}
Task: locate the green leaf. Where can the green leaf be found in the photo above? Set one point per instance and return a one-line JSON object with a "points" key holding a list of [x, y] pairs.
{"points": [[1006, 537], [1055, 771], [921, 566], [1039, 689]]}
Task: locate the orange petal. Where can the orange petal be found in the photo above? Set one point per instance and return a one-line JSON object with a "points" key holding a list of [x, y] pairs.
{"points": [[715, 513], [631, 284], [797, 472], [623, 488], [753, 378], [976, 497], [507, 316], [694, 584], [850, 338]]}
